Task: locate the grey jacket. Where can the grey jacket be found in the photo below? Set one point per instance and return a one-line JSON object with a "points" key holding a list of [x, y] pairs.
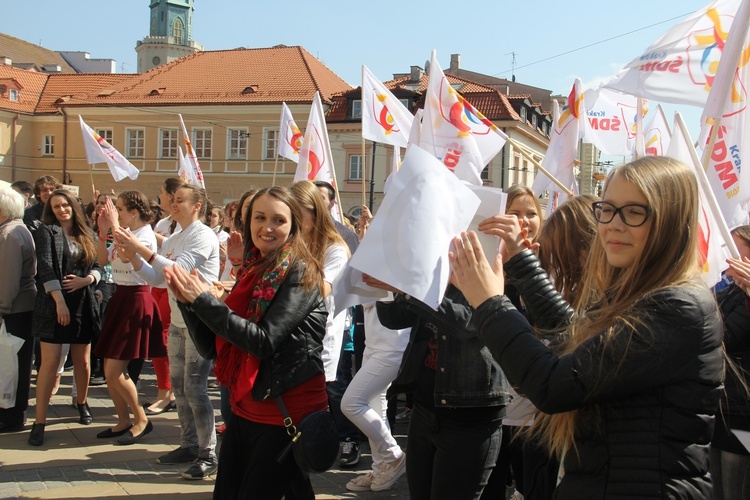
{"points": [[18, 268]]}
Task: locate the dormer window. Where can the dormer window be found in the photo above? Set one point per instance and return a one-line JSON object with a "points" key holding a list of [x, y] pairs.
{"points": [[523, 114], [533, 121], [357, 108], [250, 89], [13, 94]]}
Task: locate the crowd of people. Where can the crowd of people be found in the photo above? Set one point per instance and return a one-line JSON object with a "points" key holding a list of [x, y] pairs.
{"points": [[586, 359]]}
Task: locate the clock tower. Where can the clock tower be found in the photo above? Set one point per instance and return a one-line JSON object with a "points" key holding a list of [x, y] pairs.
{"points": [[170, 35]]}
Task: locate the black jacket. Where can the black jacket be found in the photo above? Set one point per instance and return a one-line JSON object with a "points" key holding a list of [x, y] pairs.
{"points": [[287, 341], [643, 433], [467, 376]]}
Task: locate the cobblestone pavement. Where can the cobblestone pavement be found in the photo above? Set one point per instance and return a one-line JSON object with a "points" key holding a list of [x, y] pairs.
{"points": [[73, 463]]}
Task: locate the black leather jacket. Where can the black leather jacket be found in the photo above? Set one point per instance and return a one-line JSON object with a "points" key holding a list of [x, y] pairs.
{"points": [[648, 401], [287, 341]]}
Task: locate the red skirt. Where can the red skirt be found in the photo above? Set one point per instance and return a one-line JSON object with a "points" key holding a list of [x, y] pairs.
{"points": [[132, 326]]}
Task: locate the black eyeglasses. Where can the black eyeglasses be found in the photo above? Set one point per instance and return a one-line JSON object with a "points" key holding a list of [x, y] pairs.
{"points": [[631, 215]]}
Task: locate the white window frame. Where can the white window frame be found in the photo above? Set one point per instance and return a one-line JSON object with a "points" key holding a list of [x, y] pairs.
{"points": [[270, 143], [522, 114], [203, 143], [357, 108], [172, 135], [354, 167], [137, 150], [178, 30], [237, 139], [14, 94], [48, 145], [533, 121]]}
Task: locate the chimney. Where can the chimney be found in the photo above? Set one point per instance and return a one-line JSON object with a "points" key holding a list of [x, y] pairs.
{"points": [[6, 60], [455, 62], [52, 68], [416, 73]]}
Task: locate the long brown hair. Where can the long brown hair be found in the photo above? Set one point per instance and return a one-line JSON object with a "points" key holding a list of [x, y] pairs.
{"points": [[565, 241], [80, 233], [324, 233], [608, 294], [313, 276]]}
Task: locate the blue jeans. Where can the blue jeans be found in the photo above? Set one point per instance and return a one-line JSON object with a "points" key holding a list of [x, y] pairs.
{"points": [[447, 459], [189, 376]]}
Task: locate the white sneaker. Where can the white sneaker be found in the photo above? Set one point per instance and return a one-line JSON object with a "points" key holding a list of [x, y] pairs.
{"points": [[389, 474], [361, 482]]}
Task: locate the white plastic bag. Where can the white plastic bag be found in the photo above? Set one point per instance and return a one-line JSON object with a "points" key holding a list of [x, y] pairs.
{"points": [[9, 347]]}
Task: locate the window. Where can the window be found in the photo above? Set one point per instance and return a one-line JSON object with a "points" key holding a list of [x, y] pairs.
{"points": [[106, 134], [533, 121], [523, 114], [544, 128], [355, 168], [13, 94], [270, 141], [405, 102], [168, 143], [357, 109], [202, 142], [485, 175], [177, 29], [48, 145], [237, 139], [136, 143]]}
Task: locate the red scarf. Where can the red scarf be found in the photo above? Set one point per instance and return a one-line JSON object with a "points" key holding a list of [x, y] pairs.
{"points": [[236, 369]]}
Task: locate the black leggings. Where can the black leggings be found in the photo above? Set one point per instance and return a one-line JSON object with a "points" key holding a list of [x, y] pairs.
{"points": [[248, 466]]}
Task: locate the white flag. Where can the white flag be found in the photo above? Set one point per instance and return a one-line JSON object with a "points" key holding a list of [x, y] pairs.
{"points": [[290, 136], [727, 164], [100, 151], [186, 171], [562, 151], [384, 118], [714, 241], [656, 135], [610, 120], [197, 177], [455, 132], [681, 65]]}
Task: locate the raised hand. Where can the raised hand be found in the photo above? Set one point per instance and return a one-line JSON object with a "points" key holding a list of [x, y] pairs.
{"points": [[185, 286], [513, 239], [471, 273], [235, 247], [376, 283]]}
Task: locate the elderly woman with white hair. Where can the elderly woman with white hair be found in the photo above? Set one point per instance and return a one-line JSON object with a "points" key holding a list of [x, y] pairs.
{"points": [[17, 296]]}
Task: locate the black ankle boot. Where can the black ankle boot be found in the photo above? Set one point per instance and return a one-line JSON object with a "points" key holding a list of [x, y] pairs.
{"points": [[36, 438], [85, 413]]}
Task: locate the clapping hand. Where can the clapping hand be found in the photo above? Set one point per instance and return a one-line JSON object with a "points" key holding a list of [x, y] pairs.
{"points": [[739, 271], [186, 286], [513, 239], [471, 273]]}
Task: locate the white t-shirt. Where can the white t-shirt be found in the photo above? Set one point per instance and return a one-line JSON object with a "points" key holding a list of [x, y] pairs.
{"points": [[195, 247], [334, 261], [122, 272]]}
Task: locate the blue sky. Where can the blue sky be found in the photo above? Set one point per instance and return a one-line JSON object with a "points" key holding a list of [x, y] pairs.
{"points": [[387, 36]]}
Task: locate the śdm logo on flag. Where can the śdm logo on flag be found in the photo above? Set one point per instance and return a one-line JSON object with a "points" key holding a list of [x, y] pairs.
{"points": [[461, 114], [384, 117]]}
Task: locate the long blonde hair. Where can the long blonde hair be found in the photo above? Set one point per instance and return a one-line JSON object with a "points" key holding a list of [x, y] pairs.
{"points": [[324, 233], [608, 294]]}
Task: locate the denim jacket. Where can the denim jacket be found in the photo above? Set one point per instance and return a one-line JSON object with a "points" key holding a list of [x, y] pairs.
{"points": [[467, 376]]}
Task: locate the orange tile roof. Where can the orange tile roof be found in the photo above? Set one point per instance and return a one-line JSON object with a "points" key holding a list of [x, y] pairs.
{"points": [[489, 101], [265, 75], [71, 89], [32, 84], [22, 52]]}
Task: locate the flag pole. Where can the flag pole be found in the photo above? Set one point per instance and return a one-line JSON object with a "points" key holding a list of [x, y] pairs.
{"points": [[275, 165], [711, 143], [539, 166], [700, 174], [362, 169], [93, 188]]}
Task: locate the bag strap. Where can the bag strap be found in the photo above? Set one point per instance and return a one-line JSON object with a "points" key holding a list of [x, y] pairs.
{"points": [[291, 430]]}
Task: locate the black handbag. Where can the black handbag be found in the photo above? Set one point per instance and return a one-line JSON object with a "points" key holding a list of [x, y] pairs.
{"points": [[314, 441]]}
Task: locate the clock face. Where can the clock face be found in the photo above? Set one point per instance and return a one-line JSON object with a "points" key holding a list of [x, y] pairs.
{"points": [[156, 60]]}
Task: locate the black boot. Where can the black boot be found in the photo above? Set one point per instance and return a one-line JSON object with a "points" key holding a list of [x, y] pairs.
{"points": [[36, 438], [85, 413]]}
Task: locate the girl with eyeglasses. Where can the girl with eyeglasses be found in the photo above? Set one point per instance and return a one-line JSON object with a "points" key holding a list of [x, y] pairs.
{"points": [[627, 400]]}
